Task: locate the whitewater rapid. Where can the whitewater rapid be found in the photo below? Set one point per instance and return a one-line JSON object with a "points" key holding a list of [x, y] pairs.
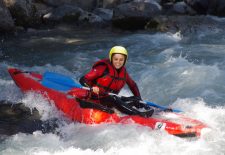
{"points": [[183, 72]]}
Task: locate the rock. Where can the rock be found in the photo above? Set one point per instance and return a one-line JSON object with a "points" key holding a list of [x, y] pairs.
{"points": [[217, 8], [201, 6], [169, 1], [134, 15], [91, 19], [105, 14], [109, 4], [73, 14], [187, 24], [213, 7], [56, 3], [182, 8], [6, 21], [88, 5], [65, 13], [16, 117], [24, 12], [42, 9]]}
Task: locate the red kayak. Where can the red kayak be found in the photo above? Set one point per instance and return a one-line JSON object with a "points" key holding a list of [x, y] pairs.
{"points": [[90, 113]]}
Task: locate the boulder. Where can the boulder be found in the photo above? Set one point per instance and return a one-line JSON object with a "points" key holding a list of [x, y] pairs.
{"points": [[187, 25], [200, 6], [72, 14], [6, 21], [183, 8], [64, 13], [87, 5], [105, 14], [134, 15], [84, 4], [42, 9], [217, 8], [108, 3], [90, 19], [24, 12], [56, 3], [212, 7]]}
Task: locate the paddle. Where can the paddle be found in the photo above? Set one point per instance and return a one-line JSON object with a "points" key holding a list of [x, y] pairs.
{"points": [[64, 83]]}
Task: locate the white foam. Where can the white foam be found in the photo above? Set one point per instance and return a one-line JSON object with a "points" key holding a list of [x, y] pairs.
{"points": [[161, 76], [179, 77], [9, 91], [108, 140], [46, 109]]}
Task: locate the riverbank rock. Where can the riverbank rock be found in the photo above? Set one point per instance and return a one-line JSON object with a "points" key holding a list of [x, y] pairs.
{"points": [[55, 3], [134, 15], [16, 118], [90, 19], [24, 12], [42, 9], [213, 7], [6, 21], [72, 15], [115, 14], [179, 8], [64, 13], [186, 25], [88, 5], [105, 14]]}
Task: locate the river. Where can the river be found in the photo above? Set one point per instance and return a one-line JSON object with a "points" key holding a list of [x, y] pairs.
{"points": [[181, 71]]}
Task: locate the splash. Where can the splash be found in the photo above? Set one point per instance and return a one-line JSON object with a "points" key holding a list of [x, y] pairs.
{"points": [[46, 109]]}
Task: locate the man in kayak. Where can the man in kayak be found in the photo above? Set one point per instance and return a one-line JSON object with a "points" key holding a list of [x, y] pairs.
{"points": [[110, 76]]}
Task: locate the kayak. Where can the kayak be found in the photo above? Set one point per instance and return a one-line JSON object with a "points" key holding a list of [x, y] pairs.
{"points": [[87, 112]]}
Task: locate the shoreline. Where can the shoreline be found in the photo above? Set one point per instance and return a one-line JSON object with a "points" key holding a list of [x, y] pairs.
{"points": [[116, 16]]}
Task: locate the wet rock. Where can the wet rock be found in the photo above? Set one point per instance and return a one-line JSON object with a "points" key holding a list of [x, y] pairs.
{"points": [[187, 25], [42, 9], [24, 12], [162, 2], [72, 14], [201, 6], [109, 4], [216, 7], [55, 3], [84, 4], [88, 18], [182, 9], [105, 14], [134, 15], [87, 5], [15, 118], [6, 21], [64, 13]]}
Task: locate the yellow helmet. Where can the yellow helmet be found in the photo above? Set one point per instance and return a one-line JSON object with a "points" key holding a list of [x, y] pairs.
{"points": [[118, 50]]}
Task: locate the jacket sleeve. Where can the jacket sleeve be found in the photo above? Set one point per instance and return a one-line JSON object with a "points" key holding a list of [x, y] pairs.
{"points": [[133, 86], [89, 79]]}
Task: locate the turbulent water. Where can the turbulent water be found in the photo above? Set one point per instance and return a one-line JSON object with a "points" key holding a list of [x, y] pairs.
{"points": [[181, 71]]}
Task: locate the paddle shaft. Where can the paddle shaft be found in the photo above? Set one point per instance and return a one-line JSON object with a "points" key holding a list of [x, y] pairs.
{"points": [[70, 83], [144, 102]]}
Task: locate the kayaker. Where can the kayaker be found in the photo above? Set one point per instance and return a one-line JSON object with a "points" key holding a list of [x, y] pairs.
{"points": [[110, 75]]}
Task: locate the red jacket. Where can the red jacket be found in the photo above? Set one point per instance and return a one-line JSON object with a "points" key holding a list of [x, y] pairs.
{"points": [[109, 79]]}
